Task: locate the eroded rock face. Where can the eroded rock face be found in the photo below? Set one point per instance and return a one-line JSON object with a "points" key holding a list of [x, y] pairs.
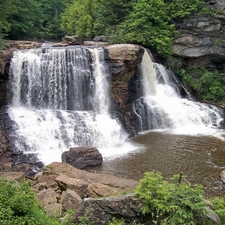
{"points": [[202, 39], [124, 61]]}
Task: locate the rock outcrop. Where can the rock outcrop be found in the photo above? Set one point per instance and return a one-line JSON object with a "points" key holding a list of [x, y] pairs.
{"points": [[104, 210], [124, 61], [83, 157], [202, 39], [62, 187]]}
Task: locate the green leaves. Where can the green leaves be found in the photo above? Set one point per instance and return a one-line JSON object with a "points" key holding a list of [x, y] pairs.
{"points": [[79, 18], [171, 203]]}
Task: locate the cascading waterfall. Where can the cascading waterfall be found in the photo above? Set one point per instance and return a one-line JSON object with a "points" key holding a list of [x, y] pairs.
{"points": [[162, 108], [60, 100]]}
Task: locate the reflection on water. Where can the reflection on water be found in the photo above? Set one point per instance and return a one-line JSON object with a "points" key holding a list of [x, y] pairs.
{"points": [[200, 158]]}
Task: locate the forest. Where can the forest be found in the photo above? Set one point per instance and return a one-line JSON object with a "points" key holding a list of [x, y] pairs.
{"points": [[150, 23], [146, 22]]}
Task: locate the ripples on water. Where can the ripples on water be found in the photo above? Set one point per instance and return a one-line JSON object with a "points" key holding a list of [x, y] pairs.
{"points": [[200, 158]]}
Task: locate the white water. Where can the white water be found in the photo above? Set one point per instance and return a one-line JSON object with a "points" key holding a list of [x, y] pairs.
{"points": [[59, 102], [166, 110]]}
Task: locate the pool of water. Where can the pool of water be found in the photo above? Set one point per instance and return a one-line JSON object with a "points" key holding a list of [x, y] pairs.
{"points": [[200, 158]]}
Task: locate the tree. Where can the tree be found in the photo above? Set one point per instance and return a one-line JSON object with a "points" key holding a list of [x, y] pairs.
{"points": [[79, 17], [148, 24], [25, 20]]}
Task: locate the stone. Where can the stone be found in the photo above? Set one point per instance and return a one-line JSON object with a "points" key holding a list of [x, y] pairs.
{"points": [[47, 196], [70, 200], [82, 157], [102, 211], [79, 186], [95, 43], [72, 40], [11, 175], [100, 38], [222, 176], [54, 209], [73, 178]]}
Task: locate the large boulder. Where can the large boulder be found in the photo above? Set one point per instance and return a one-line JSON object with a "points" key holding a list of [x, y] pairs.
{"points": [[82, 157], [102, 211]]}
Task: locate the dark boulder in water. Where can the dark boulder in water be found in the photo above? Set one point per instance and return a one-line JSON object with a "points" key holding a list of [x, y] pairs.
{"points": [[82, 157]]}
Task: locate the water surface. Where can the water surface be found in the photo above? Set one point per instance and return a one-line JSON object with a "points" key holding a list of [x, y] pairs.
{"points": [[200, 158]]}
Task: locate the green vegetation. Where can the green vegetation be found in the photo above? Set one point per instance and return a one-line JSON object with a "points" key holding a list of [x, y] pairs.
{"points": [[149, 23], [171, 203], [19, 206], [205, 84]]}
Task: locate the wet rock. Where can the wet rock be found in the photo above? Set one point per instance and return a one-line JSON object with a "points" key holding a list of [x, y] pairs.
{"points": [[222, 176], [82, 157]]}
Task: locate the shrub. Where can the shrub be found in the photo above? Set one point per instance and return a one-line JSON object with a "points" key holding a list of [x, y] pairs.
{"points": [[171, 203], [18, 205]]}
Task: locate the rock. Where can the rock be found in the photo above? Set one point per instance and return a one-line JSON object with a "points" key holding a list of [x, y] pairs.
{"points": [[13, 175], [95, 43], [79, 186], [222, 176], [102, 211], [73, 178], [70, 200], [72, 40], [54, 209], [82, 157], [100, 38], [213, 216], [123, 61], [47, 196]]}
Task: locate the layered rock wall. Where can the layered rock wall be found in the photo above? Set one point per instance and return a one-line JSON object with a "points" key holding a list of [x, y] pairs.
{"points": [[202, 38]]}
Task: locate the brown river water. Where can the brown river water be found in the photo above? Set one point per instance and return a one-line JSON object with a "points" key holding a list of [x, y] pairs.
{"points": [[200, 158]]}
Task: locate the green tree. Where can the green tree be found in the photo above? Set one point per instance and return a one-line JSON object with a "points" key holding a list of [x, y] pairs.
{"points": [[79, 17], [26, 20], [110, 14], [51, 12], [148, 24]]}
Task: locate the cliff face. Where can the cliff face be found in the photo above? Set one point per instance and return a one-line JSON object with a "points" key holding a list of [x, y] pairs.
{"points": [[123, 61], [202, 38]]}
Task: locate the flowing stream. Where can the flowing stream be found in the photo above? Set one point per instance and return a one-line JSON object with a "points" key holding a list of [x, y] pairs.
{"points": [[60, 99]]}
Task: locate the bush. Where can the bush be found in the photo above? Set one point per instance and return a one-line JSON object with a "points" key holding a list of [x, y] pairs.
{"points": [[205, 84], [18, 205], [171, 203]]}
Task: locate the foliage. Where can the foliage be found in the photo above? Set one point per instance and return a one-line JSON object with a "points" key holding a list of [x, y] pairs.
{"points": [[79, 17], [206, 84], [148, 24], [19, 206], [171, 203], [180, 9], [219, 208]]}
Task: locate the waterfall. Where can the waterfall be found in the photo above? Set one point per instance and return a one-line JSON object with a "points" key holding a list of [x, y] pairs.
{"points": [[60, 100], [162, 108]]}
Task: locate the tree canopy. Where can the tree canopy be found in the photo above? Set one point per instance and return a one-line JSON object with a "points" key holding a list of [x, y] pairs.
{"points": [[146, 22]]}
